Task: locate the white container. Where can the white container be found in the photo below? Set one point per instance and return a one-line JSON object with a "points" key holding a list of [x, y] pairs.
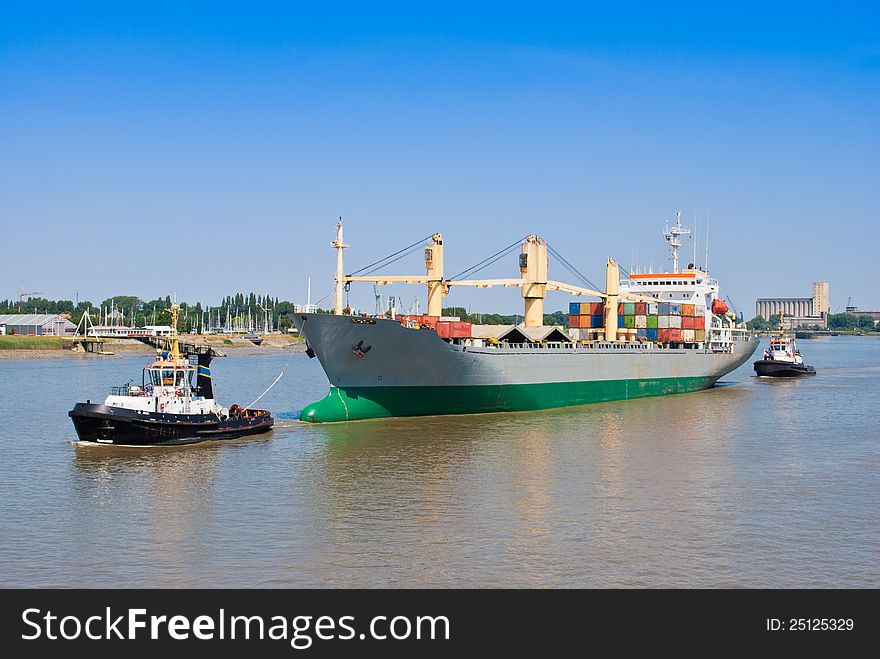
{"points": [[641, 322], [663, 322], [674, 322], [687, 335]]}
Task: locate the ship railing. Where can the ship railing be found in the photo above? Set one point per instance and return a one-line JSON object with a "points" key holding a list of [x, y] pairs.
{"points": [[128, 390]]}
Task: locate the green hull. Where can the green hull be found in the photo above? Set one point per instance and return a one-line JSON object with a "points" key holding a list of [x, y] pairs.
{"points": [[355, 403]]}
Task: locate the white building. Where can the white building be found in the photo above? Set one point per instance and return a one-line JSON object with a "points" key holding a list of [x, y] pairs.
{"points": [[40, 324]]}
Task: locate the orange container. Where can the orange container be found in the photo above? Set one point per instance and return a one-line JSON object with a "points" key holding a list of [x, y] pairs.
{"points": [[700, 322], [574, 322], [687, 310], [687, 322]]}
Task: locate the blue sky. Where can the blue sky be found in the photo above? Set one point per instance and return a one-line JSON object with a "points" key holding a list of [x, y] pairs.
{"points": [[206, 148]]}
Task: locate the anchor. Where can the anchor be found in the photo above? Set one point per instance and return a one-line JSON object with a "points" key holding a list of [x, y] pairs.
{"points": [[360, 349]]}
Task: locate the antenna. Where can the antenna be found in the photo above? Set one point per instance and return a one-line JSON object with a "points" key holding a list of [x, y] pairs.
{"points": [[695, 239], [673, 236], [707, 243]]}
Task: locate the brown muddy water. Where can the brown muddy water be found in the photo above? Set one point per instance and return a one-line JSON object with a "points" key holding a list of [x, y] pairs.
{"points": [[752, 483]]}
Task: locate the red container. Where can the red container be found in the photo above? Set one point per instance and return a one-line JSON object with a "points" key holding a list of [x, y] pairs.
{"points": [[461, 330], [597, 308], [687, 322], [700, 322], [574, 321], [669, 335], [430, 321], [450, 329], [641, 308], [620, 308]]}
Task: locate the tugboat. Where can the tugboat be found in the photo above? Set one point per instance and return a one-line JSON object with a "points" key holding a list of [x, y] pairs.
{"points": [[782, 359], [173, 405]]}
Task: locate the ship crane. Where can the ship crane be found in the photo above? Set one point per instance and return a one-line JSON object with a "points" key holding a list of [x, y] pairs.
{"points": [[21, 295], [533, 280]]}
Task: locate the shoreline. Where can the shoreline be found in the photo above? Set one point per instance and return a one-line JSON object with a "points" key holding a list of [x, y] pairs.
{"points": [[129, 347]]}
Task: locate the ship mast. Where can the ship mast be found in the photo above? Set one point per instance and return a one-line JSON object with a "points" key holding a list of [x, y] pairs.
{"points": [[339, 245], [175, 347], [673, 236]]}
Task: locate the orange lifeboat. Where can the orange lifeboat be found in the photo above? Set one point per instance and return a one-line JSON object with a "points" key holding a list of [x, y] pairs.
{"points": [[719, 307]]}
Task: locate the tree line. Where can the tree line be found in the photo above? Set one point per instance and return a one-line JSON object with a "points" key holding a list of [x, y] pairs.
{"points": [[239, 309], [836, 321]]}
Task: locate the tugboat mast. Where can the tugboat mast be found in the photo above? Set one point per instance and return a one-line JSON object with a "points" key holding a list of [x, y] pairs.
{"points": [[175, 347], [673, 238]]}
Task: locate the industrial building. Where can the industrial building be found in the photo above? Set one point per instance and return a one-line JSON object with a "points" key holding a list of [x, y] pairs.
{"points": [[41, 324], [798, 310], [873, 315]]}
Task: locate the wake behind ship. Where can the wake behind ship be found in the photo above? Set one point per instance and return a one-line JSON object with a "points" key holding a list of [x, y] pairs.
{"points": [[651, 334]]}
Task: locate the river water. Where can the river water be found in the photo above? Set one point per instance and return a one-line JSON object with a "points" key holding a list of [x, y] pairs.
{"points": [[756, 483]]}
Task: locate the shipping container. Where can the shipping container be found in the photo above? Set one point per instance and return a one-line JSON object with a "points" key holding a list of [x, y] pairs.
{"points": [[597, 308], [699, 335], [674, 335], [674, 322], [687, 310], [663, 308], [597, 322], [620, 321], [629, 322], [700, 322], [584, 309], [641, 322], [574, 308], [574, 321], [413, 321], [450, 329], [653, 308], [641, 308], [653, 333], [629, 308], [699, 310], [651, 321], [642, 333], [674, 309], [687, 322], [663, 322], [687, 335], [620, 309]]}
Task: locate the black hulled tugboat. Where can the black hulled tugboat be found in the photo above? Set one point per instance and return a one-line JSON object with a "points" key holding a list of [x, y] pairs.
{"points": [[173, 405], [783, 359]]}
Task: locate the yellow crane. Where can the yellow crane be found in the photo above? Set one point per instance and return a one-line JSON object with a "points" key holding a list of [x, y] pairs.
{"points": [[533, 280]]}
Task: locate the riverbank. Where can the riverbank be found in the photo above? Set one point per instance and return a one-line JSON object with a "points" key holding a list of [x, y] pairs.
{"points": [[48, 347]]}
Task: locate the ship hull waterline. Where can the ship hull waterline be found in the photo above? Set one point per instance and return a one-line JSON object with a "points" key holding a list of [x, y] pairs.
{"points": [[412, 372], [100, 424], [769, 368]]}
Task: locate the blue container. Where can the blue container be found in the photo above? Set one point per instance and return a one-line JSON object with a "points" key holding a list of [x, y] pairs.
{"points": [[642, 333], [574, 308], [674, 309], [620, 321], [597, 322], [652, 333], [664, 308]]}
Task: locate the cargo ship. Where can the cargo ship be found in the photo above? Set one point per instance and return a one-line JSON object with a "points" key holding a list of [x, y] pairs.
{"points": [[649, 334]]}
